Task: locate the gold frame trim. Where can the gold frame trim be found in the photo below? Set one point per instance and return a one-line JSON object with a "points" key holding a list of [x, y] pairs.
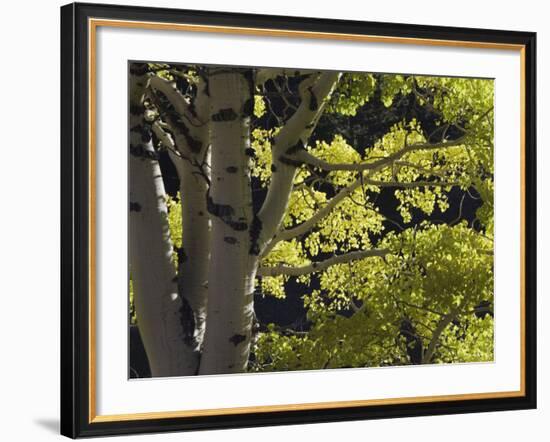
{"points": [[93, 24]]}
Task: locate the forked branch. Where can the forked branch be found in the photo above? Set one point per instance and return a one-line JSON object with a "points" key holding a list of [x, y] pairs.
{"points": [[321, 265]]}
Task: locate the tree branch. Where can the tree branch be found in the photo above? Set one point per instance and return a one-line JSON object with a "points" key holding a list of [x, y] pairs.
{"points": [[322, 213], [292, 137], [285, 235], [322, 265], [191, 140], [425, 170], [410, 185], [308, 158], [177, 100], [167, 142], [445, 321]]}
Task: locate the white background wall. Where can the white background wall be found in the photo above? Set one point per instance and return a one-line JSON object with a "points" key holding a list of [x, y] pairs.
{"points": [[29, 220]]}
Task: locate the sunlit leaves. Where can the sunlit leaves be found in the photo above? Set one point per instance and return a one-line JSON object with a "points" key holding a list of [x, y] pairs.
{"points": [[338, 151], [470, 340], [392, 85], [174, 219], [431, 271], [372, 312], [457, 99], [261, 144], [259, 106], [289, 253], [353, 91]]}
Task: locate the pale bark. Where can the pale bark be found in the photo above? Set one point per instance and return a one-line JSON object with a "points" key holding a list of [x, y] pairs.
{"points": [[159, 309], [366, 169], [441, 326], [306, 226], [292, 138], [210, 316], [226, 343], [411, 184], [195, 253], [189, 152], [320, 265], [312, 160]]}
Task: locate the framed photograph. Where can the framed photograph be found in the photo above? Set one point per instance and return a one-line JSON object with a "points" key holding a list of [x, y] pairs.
{"points": [[275, 220]]}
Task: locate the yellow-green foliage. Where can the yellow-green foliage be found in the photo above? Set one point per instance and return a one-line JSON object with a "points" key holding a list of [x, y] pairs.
{"points": [[286, 252], [472, 344], [259, 106], [353, 91], [174, 222], [431, 272], [261, 143]]}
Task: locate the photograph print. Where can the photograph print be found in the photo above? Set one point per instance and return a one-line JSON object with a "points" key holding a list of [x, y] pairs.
{"points": [[288, 219]]}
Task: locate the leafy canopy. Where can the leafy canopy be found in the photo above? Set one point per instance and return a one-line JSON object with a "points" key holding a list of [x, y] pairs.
{"points": [[430, 298]]}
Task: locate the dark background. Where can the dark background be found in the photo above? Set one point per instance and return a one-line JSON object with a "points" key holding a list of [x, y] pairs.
{"points": [[371, 122]]}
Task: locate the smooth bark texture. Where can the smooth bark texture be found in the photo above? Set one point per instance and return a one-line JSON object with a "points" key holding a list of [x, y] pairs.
{"points": [[189, 150], [200, 321], [232, 268], [292, 139], [322, 265], [158, 306]]}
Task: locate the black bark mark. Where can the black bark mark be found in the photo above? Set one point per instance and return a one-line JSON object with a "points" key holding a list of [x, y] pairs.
{"points": [[231, 169], [219, 210], [141, 152], [225, 115], [180, 252], [195, 145], [296, 148], [135, 207], [187, 319], [273, 168], [225, 213], [168, 110], [255, 231], [250, 152], [313, 103], [290, 162], [236, 339], [230, 239]]}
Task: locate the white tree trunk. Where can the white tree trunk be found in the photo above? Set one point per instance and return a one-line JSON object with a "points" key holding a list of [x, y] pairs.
{"points": [[195, 252], [160, 311], [290, 141], [232, 267], [218, 266], [194, 175]]}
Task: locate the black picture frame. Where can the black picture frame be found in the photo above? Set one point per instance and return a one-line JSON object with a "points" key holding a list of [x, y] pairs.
{"points": [[76, 418]]}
